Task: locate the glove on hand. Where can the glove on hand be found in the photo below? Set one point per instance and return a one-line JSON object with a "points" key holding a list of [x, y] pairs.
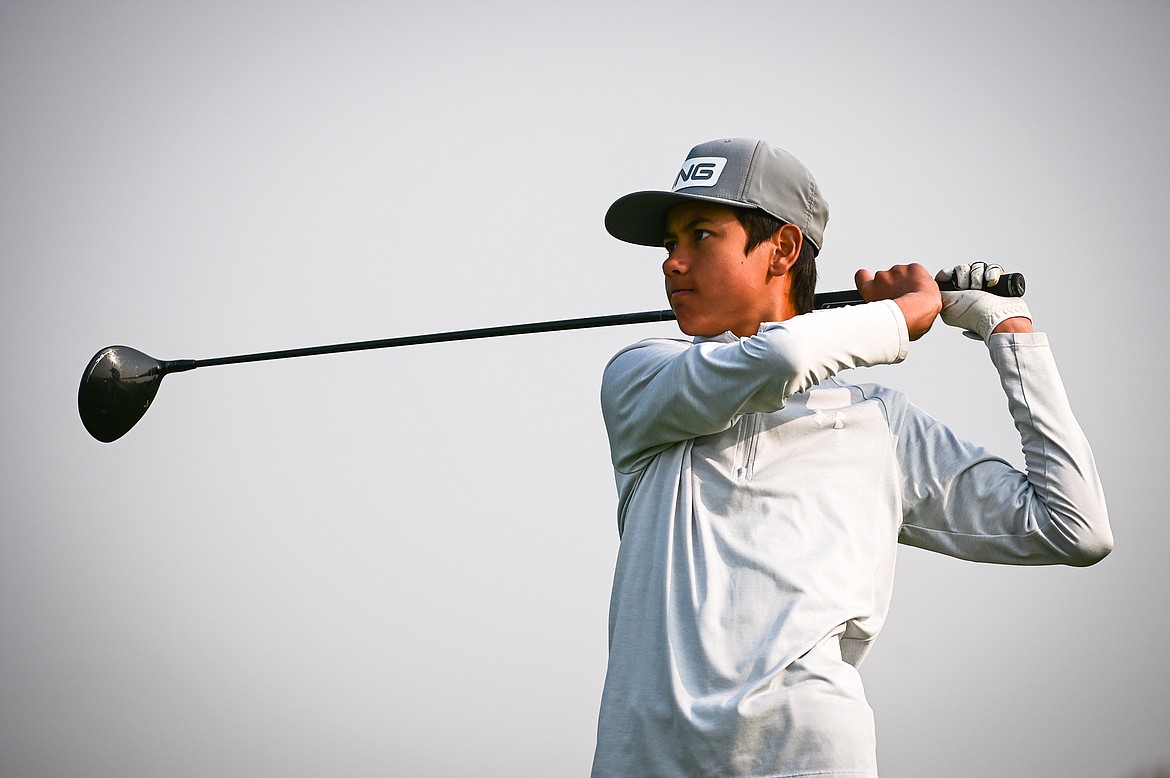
{"points": [[977, 312]]}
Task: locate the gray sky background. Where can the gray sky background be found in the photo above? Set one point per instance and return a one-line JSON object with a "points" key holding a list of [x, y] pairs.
{"points": [[398, 562]]}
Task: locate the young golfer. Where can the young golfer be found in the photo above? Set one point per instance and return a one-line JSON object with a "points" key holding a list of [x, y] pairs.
{"points": [[760, 499]]}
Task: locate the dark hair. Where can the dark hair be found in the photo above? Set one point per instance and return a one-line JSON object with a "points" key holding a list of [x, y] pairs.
{"points": [[760, 227]]}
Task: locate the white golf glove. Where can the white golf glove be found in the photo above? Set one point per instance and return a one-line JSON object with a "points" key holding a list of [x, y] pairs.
{"points": [[977, 312]]}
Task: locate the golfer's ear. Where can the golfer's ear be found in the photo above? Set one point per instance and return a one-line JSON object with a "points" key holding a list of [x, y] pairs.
{"points": [[786, 243]]}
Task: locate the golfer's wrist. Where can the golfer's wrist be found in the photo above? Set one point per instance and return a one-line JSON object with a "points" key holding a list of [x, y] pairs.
{"points": [[1014, 324]]}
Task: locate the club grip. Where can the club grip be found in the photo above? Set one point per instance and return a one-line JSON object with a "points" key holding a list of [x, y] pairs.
{"points": [[1007, 285]]}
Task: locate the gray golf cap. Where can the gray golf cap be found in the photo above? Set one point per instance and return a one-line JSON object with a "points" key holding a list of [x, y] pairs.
{"points": [[737, 172]]}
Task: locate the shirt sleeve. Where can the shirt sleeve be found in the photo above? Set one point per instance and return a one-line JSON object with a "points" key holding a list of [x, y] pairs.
{"points": [[960, 500], [659, 392]]}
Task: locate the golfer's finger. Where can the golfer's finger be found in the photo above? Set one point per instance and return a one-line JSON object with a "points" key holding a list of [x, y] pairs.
{"points": [[977, 271], [861, 277]]}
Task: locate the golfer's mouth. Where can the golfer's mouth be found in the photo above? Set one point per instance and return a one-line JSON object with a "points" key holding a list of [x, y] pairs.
{"points": [[677, 293]]}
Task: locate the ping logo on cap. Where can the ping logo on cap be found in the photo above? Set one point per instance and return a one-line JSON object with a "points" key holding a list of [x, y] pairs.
{"points": [[699, 171]]}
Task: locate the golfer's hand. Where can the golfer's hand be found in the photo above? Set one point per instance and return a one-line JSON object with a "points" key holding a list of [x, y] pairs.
{"points": [[978, 313], [911, 287]]}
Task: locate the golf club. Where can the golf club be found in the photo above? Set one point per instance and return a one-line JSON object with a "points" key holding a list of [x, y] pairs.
{"points": [[120, 382]]}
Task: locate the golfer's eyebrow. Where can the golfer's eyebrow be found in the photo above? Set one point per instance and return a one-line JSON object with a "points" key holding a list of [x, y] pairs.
{"points": [[695, 222]]}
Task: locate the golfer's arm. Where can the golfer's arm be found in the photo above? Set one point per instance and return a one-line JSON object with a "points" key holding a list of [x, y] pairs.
{"points": [[659, 393], [1065, 487], [970, 504]]}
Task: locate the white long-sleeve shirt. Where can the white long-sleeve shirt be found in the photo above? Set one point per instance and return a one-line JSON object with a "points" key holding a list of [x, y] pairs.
{"points": [[760, 502]]}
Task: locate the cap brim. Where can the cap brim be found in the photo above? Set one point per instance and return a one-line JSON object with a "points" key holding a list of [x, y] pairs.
{"points": [[640, 217]]}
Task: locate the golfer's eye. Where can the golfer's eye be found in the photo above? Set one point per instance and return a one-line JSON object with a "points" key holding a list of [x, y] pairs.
{"points": [[700, 234], [670, 246]]}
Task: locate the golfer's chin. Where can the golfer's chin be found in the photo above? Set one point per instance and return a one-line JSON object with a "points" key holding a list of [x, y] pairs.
{"points": [[697, 325]]}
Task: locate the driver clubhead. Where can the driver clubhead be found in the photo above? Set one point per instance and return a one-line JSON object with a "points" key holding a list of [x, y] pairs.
{"points": [[117, 387]]}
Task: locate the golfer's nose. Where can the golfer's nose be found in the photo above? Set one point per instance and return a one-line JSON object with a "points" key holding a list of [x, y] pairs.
{"points": [[676, 262]]}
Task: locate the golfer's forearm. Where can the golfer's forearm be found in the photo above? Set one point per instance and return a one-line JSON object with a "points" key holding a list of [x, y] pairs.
{"points": [[1066, 499], [805, 350], [661, 393]]}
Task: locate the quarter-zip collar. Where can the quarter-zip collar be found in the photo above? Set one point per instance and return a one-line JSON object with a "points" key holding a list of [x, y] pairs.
{"points": [[725, 337]]}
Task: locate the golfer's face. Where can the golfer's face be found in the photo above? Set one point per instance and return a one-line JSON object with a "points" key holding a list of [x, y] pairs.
{"points": [[712, 285]]}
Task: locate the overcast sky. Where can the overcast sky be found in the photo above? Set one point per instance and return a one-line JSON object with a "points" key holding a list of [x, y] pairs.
{"points": [[399, 562]]}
